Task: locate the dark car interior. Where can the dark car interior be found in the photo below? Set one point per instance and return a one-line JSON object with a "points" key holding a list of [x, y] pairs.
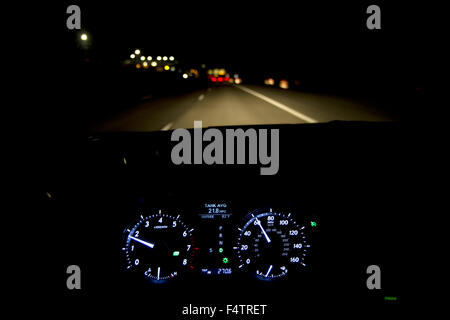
{"points": [[348, 186]]}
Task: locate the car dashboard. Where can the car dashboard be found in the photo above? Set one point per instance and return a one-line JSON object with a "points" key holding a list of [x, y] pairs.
{"points": [[146, 231]]}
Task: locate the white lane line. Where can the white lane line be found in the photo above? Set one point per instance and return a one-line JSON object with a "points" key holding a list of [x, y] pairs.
{"points": [[167, 126], [278, 105], [201, 97]]}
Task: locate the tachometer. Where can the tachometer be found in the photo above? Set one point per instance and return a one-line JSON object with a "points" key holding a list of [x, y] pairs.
{"points": [[159, 246], [271, 243]]}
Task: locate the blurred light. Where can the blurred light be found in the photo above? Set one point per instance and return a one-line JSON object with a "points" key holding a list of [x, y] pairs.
{"points": [[238, 80], [236, 76], [284, 84], [203, 66], [213, 79], [171, 58], [145, 64], [154, 64], [137, 51], [142, 58], [226, 79], [222, 72], [166, 67], [185, 75], [172, 69], [84, 37], [132, 56], [149, 58], [138, 66], [165, 58], [158, 58], [220, 79], [269, 81], [194, 72]]}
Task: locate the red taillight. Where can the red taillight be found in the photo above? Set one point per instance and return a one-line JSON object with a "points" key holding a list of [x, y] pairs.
{"points": [[226, 79], [220, 79], [213, 79]]}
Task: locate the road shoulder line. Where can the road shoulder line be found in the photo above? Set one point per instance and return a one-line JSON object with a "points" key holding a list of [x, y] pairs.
{"points": [[277, 104]]}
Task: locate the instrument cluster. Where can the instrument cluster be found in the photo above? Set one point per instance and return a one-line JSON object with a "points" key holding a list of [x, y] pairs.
{"points": [[212, 240]]}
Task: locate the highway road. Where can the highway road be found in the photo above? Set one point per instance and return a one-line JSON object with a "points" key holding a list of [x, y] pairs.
{"points": [[224, 105]]}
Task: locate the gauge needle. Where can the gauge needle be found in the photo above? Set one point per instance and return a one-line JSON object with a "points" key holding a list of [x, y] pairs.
{"points": [[263, 231], [145, 243], [268, 271]]}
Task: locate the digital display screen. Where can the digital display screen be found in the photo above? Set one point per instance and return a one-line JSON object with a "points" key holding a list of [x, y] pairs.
{"points": [[216, 241], [215, 210]]}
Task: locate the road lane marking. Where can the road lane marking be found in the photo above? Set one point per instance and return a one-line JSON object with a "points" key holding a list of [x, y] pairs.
{"points": [[278, 105], [201, 97], [167, 126]]}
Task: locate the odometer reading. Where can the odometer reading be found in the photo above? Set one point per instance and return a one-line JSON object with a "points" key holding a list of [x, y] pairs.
{"points": [[270, 243], [159, 246]]}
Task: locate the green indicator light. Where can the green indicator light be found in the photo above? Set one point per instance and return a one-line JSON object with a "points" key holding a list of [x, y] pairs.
{"points": [[313, 224], [225, 260], [220, 250], [176, 253], [390, 298]]}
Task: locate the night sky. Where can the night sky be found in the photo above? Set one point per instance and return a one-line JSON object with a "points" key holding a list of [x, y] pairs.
{"points": [[325, 41]]}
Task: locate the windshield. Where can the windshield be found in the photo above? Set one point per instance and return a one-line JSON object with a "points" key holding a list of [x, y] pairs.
{"points": [[149, 66]]}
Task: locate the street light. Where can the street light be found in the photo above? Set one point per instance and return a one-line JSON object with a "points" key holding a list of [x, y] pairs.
{"points": [[154, 64], [142, 58], [84, 37], [164, 58], [185, 75], [132, 56], [171, 58], [158, 58], [137, 51], [149, 58]]}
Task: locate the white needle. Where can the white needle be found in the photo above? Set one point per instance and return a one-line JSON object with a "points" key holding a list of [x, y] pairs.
{"points": [[263, 231], [268, 271], [145, 243], [157, 276]]}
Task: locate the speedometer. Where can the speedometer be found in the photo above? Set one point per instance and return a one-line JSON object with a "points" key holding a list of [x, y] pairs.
{"points": [[271, 243]]}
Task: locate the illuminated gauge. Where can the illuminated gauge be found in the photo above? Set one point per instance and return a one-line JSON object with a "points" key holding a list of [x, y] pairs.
{"points": [[270, 244], [159, 246]]}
